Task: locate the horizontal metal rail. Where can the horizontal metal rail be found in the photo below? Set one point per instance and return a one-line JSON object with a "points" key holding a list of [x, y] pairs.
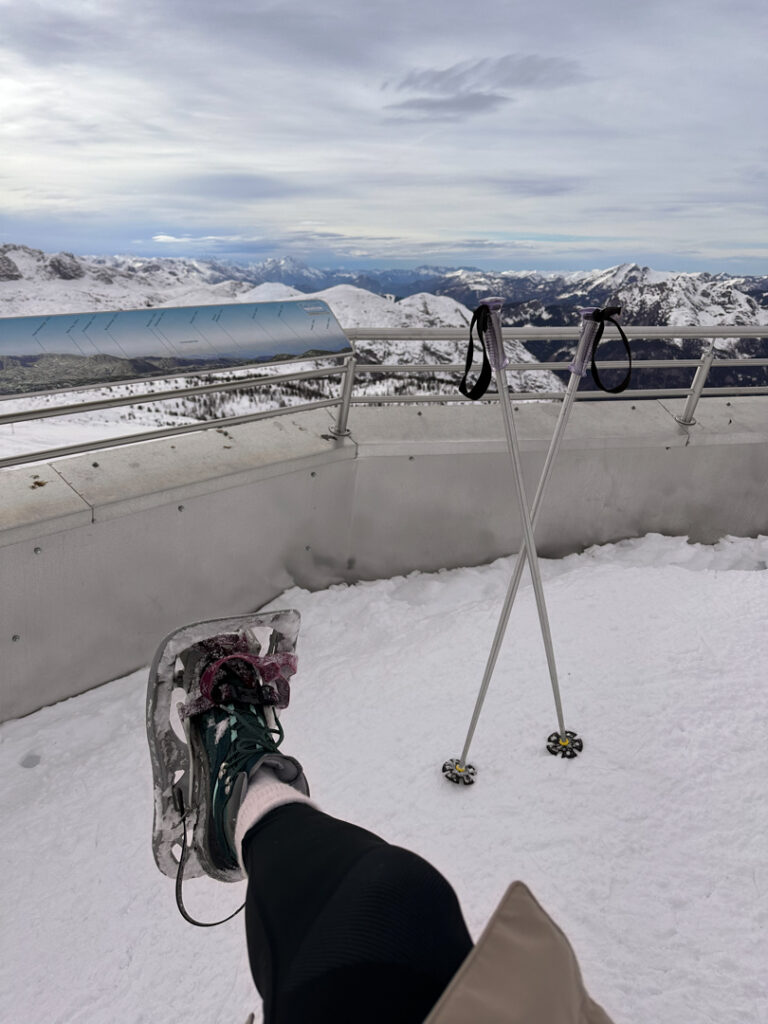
{"points": [[117, 442], [165, 396], [177, 374], [43, 412], [550, 396], [394, 334], [555, 333], [637, 364], [353, 370]]}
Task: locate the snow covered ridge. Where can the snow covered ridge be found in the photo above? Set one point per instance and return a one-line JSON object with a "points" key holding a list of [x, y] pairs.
{"points": [[32, 281]]}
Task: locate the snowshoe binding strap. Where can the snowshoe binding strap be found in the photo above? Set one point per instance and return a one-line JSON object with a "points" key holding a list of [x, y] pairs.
{"points": [[273, 672], [178, 799], [248, 678], [481, 317]]}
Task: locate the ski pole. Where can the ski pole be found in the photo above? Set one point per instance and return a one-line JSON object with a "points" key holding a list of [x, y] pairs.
{"points": [[458, 770], [499, 361]]}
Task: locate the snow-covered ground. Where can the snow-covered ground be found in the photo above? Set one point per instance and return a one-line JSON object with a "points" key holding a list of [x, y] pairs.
{"points": [[648, 849]]}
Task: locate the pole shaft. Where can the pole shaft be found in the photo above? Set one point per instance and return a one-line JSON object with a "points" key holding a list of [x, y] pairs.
{"points": [[533, 558], [552, 453]]}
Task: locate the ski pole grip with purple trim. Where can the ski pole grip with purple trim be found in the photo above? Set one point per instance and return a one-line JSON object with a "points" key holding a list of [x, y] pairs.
{"points": [[494, 343], [590, 325]]}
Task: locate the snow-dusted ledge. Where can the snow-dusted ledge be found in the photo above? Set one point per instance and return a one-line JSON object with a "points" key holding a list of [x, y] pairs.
{"points": [[103, 554]]}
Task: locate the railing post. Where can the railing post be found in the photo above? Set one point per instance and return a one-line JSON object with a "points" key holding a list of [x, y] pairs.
{"points": [[697, 387], [341, 429]]}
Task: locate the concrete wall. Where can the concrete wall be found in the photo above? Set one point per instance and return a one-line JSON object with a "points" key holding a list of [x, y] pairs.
{"points": [[102, 555]]}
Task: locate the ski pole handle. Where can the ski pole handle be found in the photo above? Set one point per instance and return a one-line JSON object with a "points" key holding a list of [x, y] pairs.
{"points": [[494, 342], [589, 328]]}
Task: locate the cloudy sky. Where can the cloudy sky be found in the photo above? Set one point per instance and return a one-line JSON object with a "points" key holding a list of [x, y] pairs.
{"points": [[493, 133]]}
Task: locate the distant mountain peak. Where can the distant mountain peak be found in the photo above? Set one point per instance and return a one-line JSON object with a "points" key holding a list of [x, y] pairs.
{"points": [[284, 263], [33, 281]]}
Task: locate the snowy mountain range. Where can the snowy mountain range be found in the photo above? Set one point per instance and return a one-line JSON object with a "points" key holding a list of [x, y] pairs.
{"points": [[33, 281]]}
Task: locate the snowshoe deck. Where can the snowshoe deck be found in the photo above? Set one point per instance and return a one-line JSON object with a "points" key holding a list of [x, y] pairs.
{"points": [[179, 774]]}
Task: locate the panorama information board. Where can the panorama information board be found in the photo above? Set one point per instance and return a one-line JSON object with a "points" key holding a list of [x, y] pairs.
{"points": [[69, 350]]}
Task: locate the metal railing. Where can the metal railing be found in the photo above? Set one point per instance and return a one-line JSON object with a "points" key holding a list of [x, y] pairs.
{"points": [[701, 365], [351, 371]]}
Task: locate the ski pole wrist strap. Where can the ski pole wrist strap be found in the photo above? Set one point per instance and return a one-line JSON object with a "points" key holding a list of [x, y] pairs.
{"points": [[481, 317], [602, 316]]}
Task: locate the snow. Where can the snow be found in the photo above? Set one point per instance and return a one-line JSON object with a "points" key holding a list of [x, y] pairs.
{"points": [[39, 435], [125, 283], [270, 291], [429, 310], [658, 276], [648, 849], [358, 307], [29, 436]]}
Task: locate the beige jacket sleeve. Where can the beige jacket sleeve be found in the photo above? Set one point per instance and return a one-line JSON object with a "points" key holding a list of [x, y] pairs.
{"points": [[522, 971]]}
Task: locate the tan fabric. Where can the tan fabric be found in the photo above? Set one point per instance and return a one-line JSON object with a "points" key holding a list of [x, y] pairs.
{"points": [[522, 971]]}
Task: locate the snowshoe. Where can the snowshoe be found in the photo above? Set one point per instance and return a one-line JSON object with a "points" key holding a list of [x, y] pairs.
{"points": [[213, 692]]}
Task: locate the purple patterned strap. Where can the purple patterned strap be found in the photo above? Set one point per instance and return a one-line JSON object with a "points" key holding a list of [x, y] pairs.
{"points": [[271, 682], [269, 685]]}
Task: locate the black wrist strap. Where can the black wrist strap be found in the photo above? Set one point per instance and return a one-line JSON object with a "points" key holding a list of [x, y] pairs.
{"points": [[481, 317], [604, 316]]}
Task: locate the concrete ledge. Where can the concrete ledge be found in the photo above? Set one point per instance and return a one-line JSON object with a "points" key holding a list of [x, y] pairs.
{"points": [[115, 482], [460, 429], [36, 501], [98, 562], [136, 477], [724, 420]]}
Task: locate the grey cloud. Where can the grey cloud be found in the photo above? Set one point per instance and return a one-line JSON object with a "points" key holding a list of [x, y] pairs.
{"points": [[167, 91], [233, 185], [51, 37], [236, 34], [307, 34], [192, 49], [432, 108], [88, 234], [513, 71], [388, 245], [480, 86], [338, 245], [542, 185]]}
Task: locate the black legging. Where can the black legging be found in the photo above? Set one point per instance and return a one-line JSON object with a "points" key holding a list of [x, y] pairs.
{"points": [[342, 927]]}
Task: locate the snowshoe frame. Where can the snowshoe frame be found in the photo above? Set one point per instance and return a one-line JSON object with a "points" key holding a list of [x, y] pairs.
{"points": [[179, 769]]}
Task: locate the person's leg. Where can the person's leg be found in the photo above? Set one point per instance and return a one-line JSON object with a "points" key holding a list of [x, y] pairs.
{"points": [[342, 926]]}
